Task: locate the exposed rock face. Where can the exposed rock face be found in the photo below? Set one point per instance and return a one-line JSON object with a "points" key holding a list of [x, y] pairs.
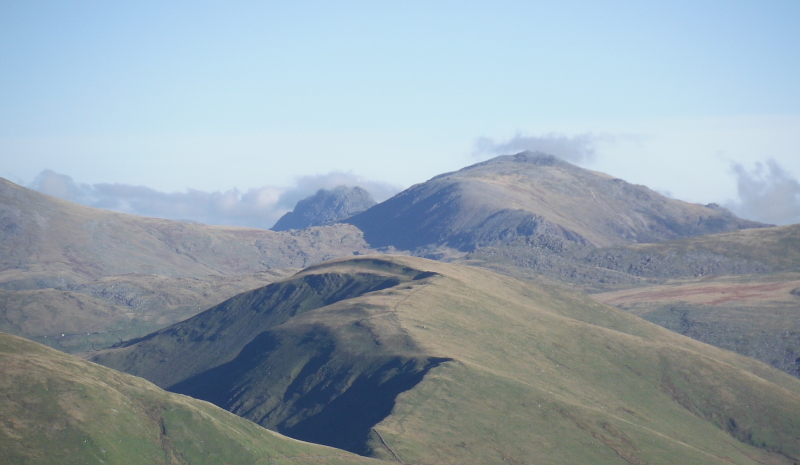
{"points": [[535, 194], [326, 206]]}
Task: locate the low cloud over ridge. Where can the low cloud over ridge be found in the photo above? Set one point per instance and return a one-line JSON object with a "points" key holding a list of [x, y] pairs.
{"points": [[767, 193], [258, 208], [577, 149]]}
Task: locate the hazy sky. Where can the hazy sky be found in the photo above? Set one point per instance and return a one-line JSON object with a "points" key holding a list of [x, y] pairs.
{"points": [[225, 100]]}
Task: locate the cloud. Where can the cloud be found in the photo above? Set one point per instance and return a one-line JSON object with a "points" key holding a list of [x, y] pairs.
{"points": [[767, 193], [258, 208], [576, 149]]}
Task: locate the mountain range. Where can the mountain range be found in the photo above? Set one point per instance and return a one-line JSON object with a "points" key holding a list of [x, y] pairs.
{"points": [[507, 348]]}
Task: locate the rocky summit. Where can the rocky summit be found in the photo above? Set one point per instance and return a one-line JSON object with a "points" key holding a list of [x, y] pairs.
{"points": [[535, 195], [326, 206]]}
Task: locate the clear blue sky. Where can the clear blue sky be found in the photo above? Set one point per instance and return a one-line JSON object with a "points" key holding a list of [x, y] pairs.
{"points": [[218, 95]]}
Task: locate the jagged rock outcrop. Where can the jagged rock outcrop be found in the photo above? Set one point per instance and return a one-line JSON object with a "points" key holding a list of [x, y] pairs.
{"points": [[326, 206]]}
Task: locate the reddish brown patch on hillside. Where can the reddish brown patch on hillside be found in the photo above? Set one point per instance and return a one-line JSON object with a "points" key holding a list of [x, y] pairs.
{"points": [[712, 294]]}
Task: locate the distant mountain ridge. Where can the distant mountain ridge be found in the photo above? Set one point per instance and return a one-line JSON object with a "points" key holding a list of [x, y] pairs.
{"points": [[49, 242], [535, 195], [326, 206]]}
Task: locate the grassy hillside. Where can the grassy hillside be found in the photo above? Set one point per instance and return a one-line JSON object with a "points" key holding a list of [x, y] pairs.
{"points": [[755, 316], [56, 408], [48, 242], [437, 363], [100, 313]]}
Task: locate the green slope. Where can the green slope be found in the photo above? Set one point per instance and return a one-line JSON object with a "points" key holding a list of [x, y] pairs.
{"points": [[459, 365], [56, 408], [100, 313]]}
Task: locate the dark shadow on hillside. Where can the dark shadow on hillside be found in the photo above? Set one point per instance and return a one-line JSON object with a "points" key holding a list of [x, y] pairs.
{"points": [[215, 385], [346, 422], [307, 388]]}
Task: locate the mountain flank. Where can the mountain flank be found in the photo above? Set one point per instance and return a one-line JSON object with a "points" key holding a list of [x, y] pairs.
{"points": [[81, 317], [463, 365], [326, 206], [751, 315], [78, 278], [744, 252], [48, 242], [56, 408], [534, 195]]}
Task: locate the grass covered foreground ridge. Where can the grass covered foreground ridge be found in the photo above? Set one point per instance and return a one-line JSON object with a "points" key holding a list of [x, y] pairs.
{"points": [[469, 366], [57, 408]]}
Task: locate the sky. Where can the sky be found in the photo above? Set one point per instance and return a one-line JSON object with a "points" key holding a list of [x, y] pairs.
{"points": [[230, 112]]}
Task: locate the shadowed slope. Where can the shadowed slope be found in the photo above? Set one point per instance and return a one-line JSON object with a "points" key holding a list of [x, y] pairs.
{"points": [[533, 194], [56, 408], [217, 335], [485, 369], [257, 355]]}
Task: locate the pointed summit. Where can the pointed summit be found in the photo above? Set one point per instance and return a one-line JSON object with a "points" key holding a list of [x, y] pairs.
{"points": [[326, 206]]}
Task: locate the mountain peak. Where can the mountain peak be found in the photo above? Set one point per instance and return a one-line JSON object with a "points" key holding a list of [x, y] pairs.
{"points": [[536, 158], [534, 195], [326, 206]]}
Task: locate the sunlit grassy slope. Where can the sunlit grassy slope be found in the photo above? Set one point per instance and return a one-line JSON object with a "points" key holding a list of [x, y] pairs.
{"points": [[58, 409], [482, 368]]}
